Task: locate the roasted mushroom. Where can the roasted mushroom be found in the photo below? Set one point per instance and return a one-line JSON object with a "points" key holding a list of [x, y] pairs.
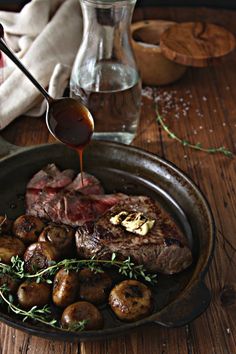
{"points": [[131, 300], [5, 225], [27, 228], [10, 282], [39, 255], [9, 247], [65, 288], [94, 287], [82, 311], [33, 294], [60, 236]]}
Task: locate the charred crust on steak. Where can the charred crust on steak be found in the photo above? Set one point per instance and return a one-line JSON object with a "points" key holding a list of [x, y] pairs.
{"points": [[168, 241], [163, 249]]}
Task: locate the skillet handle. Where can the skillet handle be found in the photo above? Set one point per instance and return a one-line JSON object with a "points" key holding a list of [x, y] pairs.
{"points": [[184, 310], [7, 148]]}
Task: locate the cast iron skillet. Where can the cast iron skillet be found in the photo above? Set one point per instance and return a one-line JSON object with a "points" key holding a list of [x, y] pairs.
{"points": [[178, 299]]}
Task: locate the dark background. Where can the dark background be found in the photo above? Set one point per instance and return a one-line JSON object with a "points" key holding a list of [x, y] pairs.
{"points": [[227, 4]]}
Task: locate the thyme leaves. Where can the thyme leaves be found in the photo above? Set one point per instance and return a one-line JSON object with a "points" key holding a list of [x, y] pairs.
{"points": [[126, 268], [184, 142]]}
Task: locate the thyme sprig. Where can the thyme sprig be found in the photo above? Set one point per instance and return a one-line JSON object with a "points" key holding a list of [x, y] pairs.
{"points": [[39, 314], [16, 269], [197, 146], [42, 315], [126, 267], [78, 326]]}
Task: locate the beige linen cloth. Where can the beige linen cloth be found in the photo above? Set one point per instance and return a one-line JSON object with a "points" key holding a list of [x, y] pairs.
{"points": [[45, 35]]}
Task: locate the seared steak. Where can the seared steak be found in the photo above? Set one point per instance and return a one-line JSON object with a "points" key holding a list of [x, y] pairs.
{"points": [[50, 180], [72, 208], [54, 195], [163, 248], [90, 185], [51, 177]]}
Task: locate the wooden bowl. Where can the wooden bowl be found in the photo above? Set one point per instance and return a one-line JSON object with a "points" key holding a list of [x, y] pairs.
{"points": [[155, 68]]}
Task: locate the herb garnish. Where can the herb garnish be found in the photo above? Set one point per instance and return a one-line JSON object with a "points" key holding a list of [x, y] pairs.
{"points": [[39, 314], [126, 267], [78, 326], [184, 142], [42, 315], [16, 269]]}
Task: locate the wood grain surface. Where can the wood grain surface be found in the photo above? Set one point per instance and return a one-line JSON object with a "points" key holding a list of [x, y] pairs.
{"points": [[201, 107], [196, 43]]}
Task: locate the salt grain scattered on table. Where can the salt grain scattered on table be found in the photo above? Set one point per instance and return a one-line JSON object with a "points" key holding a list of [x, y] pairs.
{"points": [[173, 107]]}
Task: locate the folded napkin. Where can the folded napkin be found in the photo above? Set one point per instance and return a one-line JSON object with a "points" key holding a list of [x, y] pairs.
{"points": [[45, 35]]}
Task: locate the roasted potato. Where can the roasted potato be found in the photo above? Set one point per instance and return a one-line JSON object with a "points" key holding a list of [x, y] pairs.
{"points": [[80, 311], [27, 228], [60, 236], [33, 294], [9, 247], [94, 287], [65, 288], [131, 300], [5, 225], [39, 255], [10, 282]]}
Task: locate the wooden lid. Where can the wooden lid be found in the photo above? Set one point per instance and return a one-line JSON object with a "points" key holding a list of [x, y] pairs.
{"points": [[196, 44]]}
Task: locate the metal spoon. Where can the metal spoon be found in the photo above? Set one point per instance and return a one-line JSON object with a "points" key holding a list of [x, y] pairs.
{"points": [[67, 119]]}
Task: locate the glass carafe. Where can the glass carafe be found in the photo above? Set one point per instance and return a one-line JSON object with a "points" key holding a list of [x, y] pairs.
{"points": [[105, 75]]}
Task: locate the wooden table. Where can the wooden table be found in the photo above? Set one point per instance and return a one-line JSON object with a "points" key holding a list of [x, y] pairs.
{"points": [[199, 108]]}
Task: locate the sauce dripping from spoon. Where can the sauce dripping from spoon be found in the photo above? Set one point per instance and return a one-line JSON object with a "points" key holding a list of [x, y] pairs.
{"points": [[77, 131], [67, 119]]}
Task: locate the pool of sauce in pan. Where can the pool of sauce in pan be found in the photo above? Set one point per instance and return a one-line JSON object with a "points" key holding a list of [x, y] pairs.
{"points": [[78, 131]]}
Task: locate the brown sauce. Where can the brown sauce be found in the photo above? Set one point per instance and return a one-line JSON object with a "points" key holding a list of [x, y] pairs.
{"points": [[77, 131]]}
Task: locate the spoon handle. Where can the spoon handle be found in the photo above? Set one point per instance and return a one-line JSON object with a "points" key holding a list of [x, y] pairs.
{"points": [[12, 56]]}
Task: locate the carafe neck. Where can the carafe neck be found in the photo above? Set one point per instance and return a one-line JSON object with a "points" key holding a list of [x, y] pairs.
{"points": [[107, 27]]}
